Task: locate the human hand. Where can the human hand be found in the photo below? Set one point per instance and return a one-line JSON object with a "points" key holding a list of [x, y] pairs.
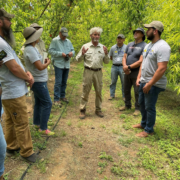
{"points": [[47, 61], [147, 88], [84, 50], [31, 79], [138, 82], [125, 68], [105, 50], [70, 54], [63, 54]]}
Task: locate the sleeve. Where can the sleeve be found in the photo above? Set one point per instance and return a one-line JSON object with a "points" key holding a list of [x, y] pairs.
{"points": [[163, 53], [111, 52], [8, 51], [79, 56], [32, 55], [53, 51]]}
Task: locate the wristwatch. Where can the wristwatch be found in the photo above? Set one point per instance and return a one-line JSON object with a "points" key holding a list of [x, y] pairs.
{"points": [[129, 67]]}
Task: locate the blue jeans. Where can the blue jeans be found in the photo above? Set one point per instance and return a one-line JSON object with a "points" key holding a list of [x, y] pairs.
{"points": [[115, 72], [61, 76], [2, 151], [43, 104], [147, 104]]}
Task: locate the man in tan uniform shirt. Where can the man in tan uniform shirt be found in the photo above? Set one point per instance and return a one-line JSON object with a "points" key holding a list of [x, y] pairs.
{"points": [[93, 54]]}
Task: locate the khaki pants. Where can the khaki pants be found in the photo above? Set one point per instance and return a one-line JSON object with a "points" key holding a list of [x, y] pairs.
{"points": [[17, 132], [91, 77]]}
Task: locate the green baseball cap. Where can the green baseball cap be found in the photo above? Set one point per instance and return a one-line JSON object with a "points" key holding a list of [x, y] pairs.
{"points": [[5, 14], [155, 24]]}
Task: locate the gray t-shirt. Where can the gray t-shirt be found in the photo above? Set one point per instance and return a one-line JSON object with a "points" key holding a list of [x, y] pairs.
{"points": [[12, 86], [158, 52], [31, 55], [117, 53], [134, 51]]}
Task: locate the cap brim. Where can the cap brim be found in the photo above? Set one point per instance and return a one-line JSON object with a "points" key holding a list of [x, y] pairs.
{"points": [[35, 36], [147, 25], [65, 34]]}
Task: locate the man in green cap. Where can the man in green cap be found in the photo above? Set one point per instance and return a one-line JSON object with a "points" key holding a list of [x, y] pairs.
{"points": [[151, 79], [13, 79]]}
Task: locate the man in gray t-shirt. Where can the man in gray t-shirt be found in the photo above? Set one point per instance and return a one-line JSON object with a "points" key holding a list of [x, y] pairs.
{"points": [[151, 78], [131, 62], [116, 54]]}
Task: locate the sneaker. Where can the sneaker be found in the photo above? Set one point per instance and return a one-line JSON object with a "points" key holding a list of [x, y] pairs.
{"points": [[33, 158], [99, 113], [64, 100], [124, 108], [12, 152], [46, 132], [136, 112], [57, 103], [82, 114], [111, 98]]}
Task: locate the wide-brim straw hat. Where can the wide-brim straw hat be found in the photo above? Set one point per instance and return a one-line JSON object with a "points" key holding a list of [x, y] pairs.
{"points": [[31, 34]]}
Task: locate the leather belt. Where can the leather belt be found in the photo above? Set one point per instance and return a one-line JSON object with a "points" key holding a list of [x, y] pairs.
{"points": [[92, 69], [117, 64]]}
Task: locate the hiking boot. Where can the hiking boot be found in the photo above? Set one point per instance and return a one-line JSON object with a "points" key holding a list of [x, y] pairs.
{"points": [[33, 158], [136, 112], [57, 103], [144, 134], [2, 178], [12, 152], [99, 113], [46, 132], [64, 100], [137, 126], [82, 114], [111, 98], [124, 108]]}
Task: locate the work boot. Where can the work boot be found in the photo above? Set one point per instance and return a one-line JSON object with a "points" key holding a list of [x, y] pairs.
{"points": [[64, 100], [2, 178], [136, 112], [82, 114], [33, 158], [12, 152], [99, 113], [111, 98], [124, 108]]}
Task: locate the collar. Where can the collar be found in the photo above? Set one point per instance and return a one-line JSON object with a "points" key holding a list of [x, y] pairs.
{"points": [[91, 44], [118, 46], [61, 39]]}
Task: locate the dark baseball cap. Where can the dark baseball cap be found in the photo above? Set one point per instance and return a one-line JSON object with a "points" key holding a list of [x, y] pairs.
{"points": [[142, 30], [64, 31], [6, 14], [121, 35]]}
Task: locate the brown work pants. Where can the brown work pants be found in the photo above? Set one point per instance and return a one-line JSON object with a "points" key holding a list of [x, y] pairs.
{"points": [[17, 132], [92, 77]]}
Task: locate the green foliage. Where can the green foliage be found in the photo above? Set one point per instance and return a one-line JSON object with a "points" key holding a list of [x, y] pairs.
{"points": [[103, 155]]}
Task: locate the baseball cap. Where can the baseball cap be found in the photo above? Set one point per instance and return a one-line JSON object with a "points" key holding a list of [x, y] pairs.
{"points": [[64, 31], [121, 35], [155, 24], [142, 30], [5, 14]]}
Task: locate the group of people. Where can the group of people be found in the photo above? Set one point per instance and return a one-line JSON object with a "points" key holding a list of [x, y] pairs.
{"points": [[138, 64]]}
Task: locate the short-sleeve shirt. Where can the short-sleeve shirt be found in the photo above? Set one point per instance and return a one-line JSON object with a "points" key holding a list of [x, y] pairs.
{"points": [[12, 86], [31, 55], [117, 53], [158, 52], [134, 51]]}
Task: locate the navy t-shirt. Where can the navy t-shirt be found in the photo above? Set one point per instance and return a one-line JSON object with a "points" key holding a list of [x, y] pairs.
{"points": [[134, 51]]}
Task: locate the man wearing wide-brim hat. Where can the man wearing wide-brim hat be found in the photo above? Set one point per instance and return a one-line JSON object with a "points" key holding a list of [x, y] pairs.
{"points": [[151, 79], [131, 62], [13, 79]]}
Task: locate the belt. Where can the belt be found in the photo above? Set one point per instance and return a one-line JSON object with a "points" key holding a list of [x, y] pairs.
{"points": [[92, 69], [117, 64]]}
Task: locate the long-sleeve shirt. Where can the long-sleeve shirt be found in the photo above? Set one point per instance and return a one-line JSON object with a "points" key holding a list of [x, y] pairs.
{"points": [[57, 47], [94, 57]]}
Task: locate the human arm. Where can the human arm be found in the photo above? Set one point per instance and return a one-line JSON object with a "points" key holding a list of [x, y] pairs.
{"points": [[139, 77], [106, 58], [125, 67], [41, 66], [80, 55], [137, 63], [72, 52]]}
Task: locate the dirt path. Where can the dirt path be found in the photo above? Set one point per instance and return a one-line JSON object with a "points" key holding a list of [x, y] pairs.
{"points": [[93, 148]]}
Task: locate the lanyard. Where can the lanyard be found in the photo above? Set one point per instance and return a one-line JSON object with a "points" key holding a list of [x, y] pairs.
{"points": [[148, 50], [119, 48]]}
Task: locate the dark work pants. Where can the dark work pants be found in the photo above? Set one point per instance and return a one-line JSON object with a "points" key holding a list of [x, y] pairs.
{"points": [[128, 83]]}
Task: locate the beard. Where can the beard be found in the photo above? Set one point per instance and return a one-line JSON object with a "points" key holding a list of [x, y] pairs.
{"points": [[95, 40], [8, 35], [150, 36]]}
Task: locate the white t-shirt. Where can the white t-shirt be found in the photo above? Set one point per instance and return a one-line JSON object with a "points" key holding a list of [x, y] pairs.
{"points": [[12, 86], [31, 55], [158, 52]]}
